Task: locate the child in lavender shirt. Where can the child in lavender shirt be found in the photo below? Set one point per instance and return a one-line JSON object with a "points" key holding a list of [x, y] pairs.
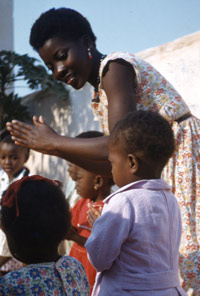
{"points": [[134, 245]]}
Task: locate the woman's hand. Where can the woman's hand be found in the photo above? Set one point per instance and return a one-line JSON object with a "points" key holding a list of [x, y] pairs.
{"points": [[39, 136]]}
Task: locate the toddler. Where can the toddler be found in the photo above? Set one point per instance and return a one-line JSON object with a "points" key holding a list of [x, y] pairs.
{"points": [[134, 244], [12, 160], [92, 188], [36, 218]]}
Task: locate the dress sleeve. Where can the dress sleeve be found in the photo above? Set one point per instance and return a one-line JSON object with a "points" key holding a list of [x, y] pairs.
{"points": [[109, 232]]}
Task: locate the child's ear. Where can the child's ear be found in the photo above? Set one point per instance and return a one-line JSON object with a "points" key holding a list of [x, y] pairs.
{"points": [[98, 182], [133, 163]]}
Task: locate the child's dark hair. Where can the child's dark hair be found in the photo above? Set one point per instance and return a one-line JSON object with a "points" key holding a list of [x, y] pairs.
{"points": [[147, 135], [5, 137], [43, 218], [64, 23]]}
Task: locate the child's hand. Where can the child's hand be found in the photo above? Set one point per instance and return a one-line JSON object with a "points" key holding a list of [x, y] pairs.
{"points": [[93, 213]]}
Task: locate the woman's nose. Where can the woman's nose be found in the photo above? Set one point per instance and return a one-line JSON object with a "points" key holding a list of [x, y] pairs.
{"points": [[59, 72]]}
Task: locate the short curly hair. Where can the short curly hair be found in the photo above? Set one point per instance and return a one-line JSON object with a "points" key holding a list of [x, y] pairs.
{"points": [[64, 23], [147, 135], [44, 218]]}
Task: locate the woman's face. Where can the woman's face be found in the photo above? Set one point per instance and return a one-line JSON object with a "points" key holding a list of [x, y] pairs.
{"points": [[68, 60]]}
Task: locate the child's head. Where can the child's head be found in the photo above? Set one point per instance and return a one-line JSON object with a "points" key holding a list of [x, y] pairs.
{"points": [[140, 146], [72, 168], [91, 185], [63, 23], [12, 156], [35, 218]]}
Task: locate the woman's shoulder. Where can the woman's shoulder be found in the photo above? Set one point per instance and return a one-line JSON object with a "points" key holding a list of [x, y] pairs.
{"points": [[128, 57]]}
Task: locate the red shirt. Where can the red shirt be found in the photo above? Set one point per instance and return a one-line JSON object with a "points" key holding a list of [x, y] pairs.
{"points": [[80, 222]]}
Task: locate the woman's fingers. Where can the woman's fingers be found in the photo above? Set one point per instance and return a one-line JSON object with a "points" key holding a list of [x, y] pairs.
{"points": [[19, 131], [38, 121], [16, 127]]}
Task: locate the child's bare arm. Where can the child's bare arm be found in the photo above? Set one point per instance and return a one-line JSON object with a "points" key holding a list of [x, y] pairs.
{"points": [[74, 236]]}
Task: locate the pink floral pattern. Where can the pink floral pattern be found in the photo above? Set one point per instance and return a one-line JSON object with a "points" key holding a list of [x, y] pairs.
{"points": [[182, 172]]}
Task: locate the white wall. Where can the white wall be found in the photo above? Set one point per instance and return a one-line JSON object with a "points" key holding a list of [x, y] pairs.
{"points": [[179, 62], [6, 25]]}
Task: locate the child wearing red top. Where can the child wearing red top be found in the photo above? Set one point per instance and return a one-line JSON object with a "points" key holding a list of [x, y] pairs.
{"points": [[93, 189]]}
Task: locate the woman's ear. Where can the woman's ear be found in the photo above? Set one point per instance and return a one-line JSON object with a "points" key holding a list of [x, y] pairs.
{"points": [[133, 163], [98, 182], [87, 41]]}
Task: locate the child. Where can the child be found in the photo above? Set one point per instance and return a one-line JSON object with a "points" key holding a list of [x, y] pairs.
{"points": [[36, 218], [134, 245], [93, 189], [12, 160]]}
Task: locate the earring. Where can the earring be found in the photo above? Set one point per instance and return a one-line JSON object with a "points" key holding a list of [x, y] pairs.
{"points": [[95, 187], [89, 53]]}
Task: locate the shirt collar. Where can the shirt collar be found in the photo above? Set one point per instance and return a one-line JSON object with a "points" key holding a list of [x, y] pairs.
{"points": [[152, 184]]}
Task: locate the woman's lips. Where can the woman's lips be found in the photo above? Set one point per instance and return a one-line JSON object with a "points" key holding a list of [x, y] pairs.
{"points": [[71, 79]]}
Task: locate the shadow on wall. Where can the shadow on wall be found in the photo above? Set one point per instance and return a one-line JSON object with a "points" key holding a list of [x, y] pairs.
{"points": [[67, 117]]}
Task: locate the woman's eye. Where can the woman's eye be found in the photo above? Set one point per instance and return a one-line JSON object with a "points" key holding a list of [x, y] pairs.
{"points": [[61, 55]]}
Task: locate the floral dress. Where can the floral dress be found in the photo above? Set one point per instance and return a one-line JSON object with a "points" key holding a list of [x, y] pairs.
{"points": [[182, 172], [65, 277]]}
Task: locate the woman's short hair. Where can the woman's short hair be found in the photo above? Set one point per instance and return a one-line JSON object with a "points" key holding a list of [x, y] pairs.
{"points": [[64, 23]]}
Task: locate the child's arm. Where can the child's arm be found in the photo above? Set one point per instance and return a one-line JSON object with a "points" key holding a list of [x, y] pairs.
{"points": [[109, 232], [74, 236]]}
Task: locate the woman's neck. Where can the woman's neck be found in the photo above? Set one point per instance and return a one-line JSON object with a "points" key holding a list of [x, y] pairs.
{"points": [[94, 77]]}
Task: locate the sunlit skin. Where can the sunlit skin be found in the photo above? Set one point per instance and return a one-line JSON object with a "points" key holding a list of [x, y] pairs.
{"points": [[12, 159], [69, 61], [124, 166], [128, 168]]}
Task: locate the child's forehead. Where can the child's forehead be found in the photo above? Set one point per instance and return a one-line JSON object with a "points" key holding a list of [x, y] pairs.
{"points": [[10, 147]]}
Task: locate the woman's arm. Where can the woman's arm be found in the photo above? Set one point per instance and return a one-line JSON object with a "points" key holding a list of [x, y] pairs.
{"points": [[119, 84], [91, 154]]}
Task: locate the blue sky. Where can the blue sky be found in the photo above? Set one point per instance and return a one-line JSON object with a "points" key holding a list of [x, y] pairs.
{"points": [[130, 25], [127, 25]]}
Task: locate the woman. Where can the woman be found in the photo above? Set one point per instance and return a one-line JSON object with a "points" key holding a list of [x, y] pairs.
{"points": [[123, 83]]}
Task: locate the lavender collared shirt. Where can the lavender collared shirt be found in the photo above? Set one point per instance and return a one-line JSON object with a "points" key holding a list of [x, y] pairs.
{"points": [[134, 245]]}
